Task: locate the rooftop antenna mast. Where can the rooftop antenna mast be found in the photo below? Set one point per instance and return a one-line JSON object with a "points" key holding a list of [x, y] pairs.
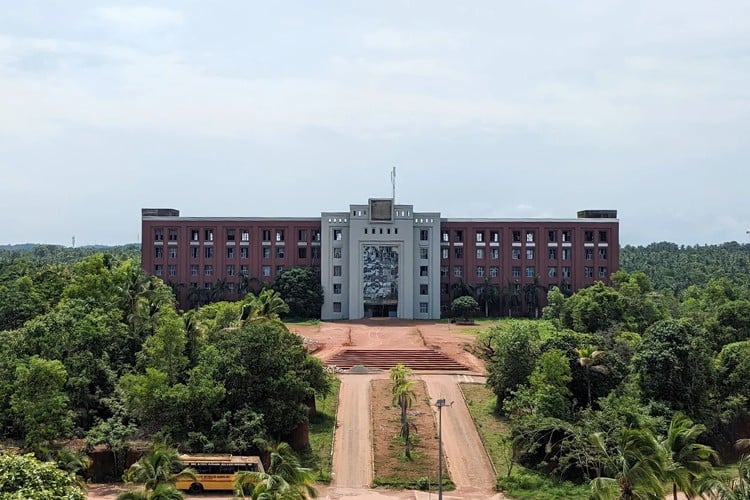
{"points": [[393, 183]]}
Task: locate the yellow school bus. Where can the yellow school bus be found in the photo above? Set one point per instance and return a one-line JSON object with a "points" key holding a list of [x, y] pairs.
{"points": [[216, 472]]}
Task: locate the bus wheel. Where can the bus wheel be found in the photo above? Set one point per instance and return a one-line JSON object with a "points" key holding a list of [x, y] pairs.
{"points": [[196, 488]]}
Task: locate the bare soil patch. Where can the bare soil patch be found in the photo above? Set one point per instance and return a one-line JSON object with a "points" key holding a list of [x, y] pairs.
{"points": [[391, 467]]}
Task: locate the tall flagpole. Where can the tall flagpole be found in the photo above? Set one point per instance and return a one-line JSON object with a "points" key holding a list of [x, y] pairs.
{"points": [[393, 183]]}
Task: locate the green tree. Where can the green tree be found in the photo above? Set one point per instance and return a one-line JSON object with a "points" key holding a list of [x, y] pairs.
{"points": [[488, 295], [25, 477], [267, 306], [591, 360], [403, 396], [285, 478], [301, 289], [593, 309], [157, 472], [547, 393], [464, 306], [39, 404], [688, 462], [511, 354]]}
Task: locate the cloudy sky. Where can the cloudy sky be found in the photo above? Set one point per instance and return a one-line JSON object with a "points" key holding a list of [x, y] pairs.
{"points": [[486, 108]]}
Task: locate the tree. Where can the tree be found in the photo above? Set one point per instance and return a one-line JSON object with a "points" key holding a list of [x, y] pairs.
{"points": [[464, 306], [301, 289], [547, 393], [738, 487], [688, 462], [25, 477], [403, 396], [511, 358], [285, 478], [268, 306], [592, 361], [157, 472], [488, 295], [593, 309]]}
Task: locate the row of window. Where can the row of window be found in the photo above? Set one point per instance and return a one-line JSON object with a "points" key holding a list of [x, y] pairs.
{"points": [[244, 252], [424, 307], [530, 271], [529, 236], [494, 253], [208, 270], [235, 234]]}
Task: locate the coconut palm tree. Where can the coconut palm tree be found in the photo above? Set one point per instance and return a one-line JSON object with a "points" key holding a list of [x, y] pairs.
{"points": [[736, 487], [687, 461], [404, 397], [634, 466], [267, 305], [487, 294], [163, 491], [591, 360], [285, 478], [157, 469]]}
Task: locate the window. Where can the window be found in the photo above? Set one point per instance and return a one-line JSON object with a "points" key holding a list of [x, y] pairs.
{"points": [[517, 236], [494, 253], [516, 272], [337, 288], [280, 253], [603, 236], [480, 253], [337, 235], [245, 235], [194, 235], [337, 270], [158, 269], [337, 307], [158, 252], [566, 236], [266, 271], [194, 270], [172, 252], [423, 253], [494, 271], [208, 285], [316, 235], [230, 270], [279, 235], [208, 270], [230, 252], [209, 233], [566, 272], [302, 235], [444, 236], [423, 307], [194, 252], [458, 236], [279, 270], [159, 234], [336, 252], [552, 236], [230, 234], [515, 253], [588, 254], [479, 236], [444, 253], [566, 253], [458, 252], [208, 252], [458, 271], [602, 272], [244, 253], [424, 235], [266, 253], [266, 235], [602, 253], [173, 235], [443, 271], [423, 271], [423, 289], [494, 236], [530, 271], [552, 272], [588, 272], [588, 236], [529, 254], [552, 253], [529, 236], [480, 271], [244, 270], [302, 252]]}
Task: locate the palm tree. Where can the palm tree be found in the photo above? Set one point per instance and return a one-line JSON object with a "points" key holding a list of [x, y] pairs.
{"points": [[75, 462], [487, 294], [403, 396], [688, 461], [460, 289], [635, 466], [154, 471], [163, 491], [591, 360], [285, 478], [269, 305]]}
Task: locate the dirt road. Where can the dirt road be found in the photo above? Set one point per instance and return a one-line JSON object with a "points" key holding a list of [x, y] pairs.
{"points": [[467, 461], [352, 455]]}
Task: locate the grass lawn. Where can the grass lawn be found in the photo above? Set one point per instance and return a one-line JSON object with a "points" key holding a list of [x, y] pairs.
{"points": [[322, 427], [522, 483]]}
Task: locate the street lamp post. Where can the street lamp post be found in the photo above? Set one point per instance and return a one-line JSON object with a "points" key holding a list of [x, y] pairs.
{"points": [[440, 403]]}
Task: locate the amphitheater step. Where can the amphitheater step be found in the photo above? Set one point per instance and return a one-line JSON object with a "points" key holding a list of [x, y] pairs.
{"points": [[416, 359]]}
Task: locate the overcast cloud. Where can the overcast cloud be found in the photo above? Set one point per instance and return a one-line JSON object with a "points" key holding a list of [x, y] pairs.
{"points": [[487, 109]]}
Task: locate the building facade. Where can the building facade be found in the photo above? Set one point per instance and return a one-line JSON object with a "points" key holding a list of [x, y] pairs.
{"points": [[383, 259]]}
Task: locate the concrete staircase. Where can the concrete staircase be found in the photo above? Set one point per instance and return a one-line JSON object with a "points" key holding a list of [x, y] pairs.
{"points": [[416, 359]]}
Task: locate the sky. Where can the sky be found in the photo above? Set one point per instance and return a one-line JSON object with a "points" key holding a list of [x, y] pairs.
{"points": [[496, 109]]}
